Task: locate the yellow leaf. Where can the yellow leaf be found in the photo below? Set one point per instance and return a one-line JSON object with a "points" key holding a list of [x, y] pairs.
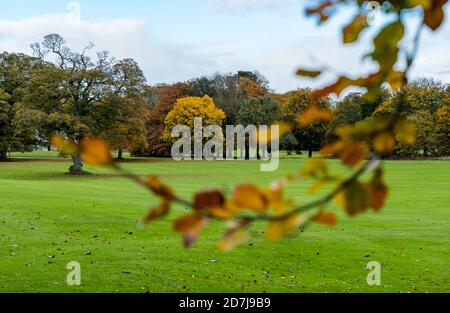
{"points": [[190, 226], [354, 153], [279, 228], [396, 79], [158, 188], [332, 149], [156, 212], [378, 191], [315, 166], [352, 31], [250, 197], [64, 146], [384, 143], [386, 46], [274, 198], [326, 218], [234, 239], [356, 198], [95, 152], [308, 73], [265, 135], [314, 114]]}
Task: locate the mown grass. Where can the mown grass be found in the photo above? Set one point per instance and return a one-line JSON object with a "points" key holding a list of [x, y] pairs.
{"points": [[49, 218]]}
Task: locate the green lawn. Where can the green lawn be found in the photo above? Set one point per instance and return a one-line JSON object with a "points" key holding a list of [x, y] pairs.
{"points": [[48, 218]]}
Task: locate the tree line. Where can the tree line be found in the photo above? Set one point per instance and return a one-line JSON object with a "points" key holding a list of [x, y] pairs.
{"points": [[76, 95]]}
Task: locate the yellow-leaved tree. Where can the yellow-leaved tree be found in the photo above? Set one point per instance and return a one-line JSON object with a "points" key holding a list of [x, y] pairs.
{"points": [[188, 108]]}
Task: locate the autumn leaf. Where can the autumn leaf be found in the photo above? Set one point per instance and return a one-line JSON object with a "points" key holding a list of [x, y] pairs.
{"points": [[64, 146], [314, 114], [314, 167], [352, 31], [250, 197], [397, 79], [326, 218], [158, 188], [353, 153], [378, 191], [230, 241], [333, 148], [320, 10], [386, 46], [95, 152], [354, 199], [274, 198], [384, 143], [434, 15], [264, 136], [277, 229], [308, 73], [208, 199], [156, 212], [190, 226]]}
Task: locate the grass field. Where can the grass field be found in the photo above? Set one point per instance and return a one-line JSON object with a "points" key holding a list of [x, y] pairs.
{"points": [[48, 218]]}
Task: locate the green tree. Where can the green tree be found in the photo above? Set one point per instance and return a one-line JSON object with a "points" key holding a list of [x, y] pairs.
{"points": [[313, 137], [258, 111], [15, 73], [424, 101], [68, 95]]}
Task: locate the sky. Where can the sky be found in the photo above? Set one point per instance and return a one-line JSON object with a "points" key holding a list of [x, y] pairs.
{"points": [[176, 40]]}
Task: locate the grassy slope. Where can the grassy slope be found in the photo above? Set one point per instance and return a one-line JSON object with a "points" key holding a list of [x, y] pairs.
{"points": [[92, 220]]}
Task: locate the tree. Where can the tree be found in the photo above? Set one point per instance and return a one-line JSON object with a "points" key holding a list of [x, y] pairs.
{"points": [[230, 90], [258, 111], [4, 124], [69, 93], [127, 131], [424, 104], [15, 73], [312, 137], [442, 118], [252, 89], [188, 108], [128, 107], [167, 97]]}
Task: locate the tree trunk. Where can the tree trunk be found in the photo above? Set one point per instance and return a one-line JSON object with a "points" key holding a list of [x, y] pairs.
{"points": [[310, 152], [3, 156], [49, 148], [247, 149], [77, 166], [120, 154]]}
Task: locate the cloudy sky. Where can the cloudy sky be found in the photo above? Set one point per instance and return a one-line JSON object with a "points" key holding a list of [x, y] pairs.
{"points": [[175, 40]]}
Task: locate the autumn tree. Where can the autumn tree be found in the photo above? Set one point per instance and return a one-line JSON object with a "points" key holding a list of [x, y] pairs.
{"points": [[424, 101], [187, 109], [230, 90], [166, 98], [310, 137]]}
